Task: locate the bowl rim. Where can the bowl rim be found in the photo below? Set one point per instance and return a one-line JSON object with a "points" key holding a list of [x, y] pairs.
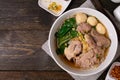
{"points": [[103, 68]]}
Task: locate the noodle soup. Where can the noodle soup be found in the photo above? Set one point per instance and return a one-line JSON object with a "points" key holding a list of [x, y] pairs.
{"points": [[82, 41]]}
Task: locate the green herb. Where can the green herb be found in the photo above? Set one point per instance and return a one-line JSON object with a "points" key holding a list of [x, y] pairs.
{"points": [[62, 40], [97, 56], [60, 50], [66, 26], [65, 34]]}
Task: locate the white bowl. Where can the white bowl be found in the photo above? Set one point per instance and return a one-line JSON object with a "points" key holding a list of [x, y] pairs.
{"points": [[112, 35]]}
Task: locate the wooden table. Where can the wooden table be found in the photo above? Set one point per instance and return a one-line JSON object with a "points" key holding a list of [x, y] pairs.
{"points": [[24, 27]]}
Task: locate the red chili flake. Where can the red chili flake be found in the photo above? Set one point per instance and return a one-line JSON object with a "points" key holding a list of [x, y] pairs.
{"points": [[115, 72]]}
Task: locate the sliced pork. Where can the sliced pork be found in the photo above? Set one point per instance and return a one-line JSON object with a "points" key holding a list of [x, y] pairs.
{"points": [[90, 41], [87, 60], [99, 50], [74, 48], [84, 28], [101, 40]]}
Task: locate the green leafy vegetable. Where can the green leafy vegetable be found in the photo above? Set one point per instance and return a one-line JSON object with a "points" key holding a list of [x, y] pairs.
{"points": [[60, 50], [71, 34], [66, 33], [66, 26]]}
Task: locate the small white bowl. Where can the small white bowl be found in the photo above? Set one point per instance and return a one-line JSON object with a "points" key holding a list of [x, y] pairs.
{"points": [[116, 13], [108, 77], [112, 35], [116, 1], [45, 3]]}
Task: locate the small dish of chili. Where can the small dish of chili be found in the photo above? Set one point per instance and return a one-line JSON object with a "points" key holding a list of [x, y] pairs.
{"points": [[114, 72]]}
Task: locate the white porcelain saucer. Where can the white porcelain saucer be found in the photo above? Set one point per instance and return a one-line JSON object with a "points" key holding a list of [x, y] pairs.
{"points": [[116, 13]]}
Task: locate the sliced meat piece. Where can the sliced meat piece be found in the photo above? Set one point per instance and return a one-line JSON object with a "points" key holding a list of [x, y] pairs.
{"points": [[83, 28], [101, 40], [90, 41], [84, 60], [100, 53], [95, 60], [68, 54], [74, 48], [87, 60], [98, 50]]}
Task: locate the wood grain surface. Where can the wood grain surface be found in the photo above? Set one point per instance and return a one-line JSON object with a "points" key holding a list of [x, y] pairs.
{"points": [[34, 75], [24, 27]]}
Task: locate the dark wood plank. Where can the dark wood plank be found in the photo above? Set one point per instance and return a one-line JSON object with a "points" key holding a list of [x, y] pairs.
{"points": [[21, 50], [31, 75], [23, 15], [26, 15], [24, 27]]}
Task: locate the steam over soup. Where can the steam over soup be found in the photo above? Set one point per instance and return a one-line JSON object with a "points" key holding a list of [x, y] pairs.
{"points": [[82, 41]]}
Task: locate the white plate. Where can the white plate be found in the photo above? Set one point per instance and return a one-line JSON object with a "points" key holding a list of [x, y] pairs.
{"points": [[45, 3], [108, 77]]}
